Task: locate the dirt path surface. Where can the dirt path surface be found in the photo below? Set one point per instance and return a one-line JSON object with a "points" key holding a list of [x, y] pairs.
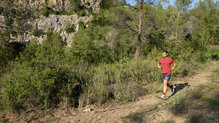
{"points": [[150, 104]]}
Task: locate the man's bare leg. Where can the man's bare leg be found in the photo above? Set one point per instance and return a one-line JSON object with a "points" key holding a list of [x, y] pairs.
{"points": [[165, 86], [164, 89]]}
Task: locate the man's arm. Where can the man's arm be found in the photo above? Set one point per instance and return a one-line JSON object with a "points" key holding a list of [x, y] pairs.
{"points": [[158, 65], [174, 65]]}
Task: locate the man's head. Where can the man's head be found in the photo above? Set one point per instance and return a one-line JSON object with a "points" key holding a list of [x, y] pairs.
{"points": [[165, 53]]}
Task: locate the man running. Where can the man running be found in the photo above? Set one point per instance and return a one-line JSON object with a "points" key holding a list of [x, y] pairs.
{"points": [[165, 65]]}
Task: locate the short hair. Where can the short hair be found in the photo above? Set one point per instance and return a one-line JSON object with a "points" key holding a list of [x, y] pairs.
{"points": [[165, 51]]}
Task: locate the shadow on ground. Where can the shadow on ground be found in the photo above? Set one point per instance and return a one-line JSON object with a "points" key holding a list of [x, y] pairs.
{"points": [[178, 87]]}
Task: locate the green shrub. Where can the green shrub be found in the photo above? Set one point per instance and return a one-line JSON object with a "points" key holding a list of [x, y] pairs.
{"points": [[45, 88], [214, 53], [81, 12], [119, 81], [9, 21], [77, 7], [42, 79], [38, 32], [69, 28], [54, 40], [45, 11], [9, 52], [106, 4], [125, 91], [81, 25]]}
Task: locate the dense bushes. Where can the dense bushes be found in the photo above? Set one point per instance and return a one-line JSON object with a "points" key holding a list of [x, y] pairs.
{"points": [[120, 80], [106, 4], [8, 53], [40, 77]]}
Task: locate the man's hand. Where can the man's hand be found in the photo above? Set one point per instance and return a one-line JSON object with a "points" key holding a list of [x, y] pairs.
{"points": [[158, 66], [174, 65]]}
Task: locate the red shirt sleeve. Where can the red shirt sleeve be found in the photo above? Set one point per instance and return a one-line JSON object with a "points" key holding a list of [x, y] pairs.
{"points": [[172, 61], [159, 62]]}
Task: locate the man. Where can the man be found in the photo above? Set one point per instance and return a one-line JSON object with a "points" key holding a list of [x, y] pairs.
{"points": [[165, 65]]}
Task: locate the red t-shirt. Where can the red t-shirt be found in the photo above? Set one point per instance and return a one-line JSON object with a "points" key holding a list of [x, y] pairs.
{"points": [[165, 64]]}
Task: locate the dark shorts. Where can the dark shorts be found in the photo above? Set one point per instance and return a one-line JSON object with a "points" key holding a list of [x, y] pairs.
{"points": [[166, 76]]}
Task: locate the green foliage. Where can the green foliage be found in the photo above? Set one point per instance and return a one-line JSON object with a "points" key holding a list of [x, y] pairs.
{"points": [[125, 91], [8, 52], [207, 24], [106, 4], [69, 28], [54, 40], [9, 21], [77, 7], [44, 88], [182, 5], [38, 32], [90, 45], [82, 12], [41, 79], [120, 79], [45, 11]]}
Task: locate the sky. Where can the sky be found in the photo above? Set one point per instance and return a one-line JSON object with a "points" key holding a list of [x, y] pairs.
{"points": [[172, 2]]}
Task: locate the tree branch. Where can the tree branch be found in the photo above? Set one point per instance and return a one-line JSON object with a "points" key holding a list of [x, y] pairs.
{"points": [[131, 28]]}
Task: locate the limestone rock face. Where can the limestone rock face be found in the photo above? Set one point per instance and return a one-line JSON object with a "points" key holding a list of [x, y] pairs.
{"points": [[58, 23], [61, 5]]}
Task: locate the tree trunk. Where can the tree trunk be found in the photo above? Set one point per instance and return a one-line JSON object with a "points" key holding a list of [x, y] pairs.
{"points": [[177, 24], [138, 48]]}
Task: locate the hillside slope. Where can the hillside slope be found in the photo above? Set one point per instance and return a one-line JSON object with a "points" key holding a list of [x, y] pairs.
{"points": [[192, 94]]}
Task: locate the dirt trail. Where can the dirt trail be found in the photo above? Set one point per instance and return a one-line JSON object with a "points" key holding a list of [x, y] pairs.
{"points": [[202, 77], [148, 104]]}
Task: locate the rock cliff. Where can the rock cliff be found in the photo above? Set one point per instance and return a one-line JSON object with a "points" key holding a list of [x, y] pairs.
{"points": [[60, 5], [56, 22]]}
